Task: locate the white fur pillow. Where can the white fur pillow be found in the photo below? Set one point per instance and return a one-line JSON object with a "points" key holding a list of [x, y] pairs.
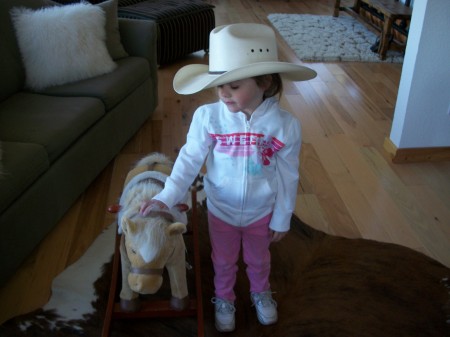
{"points": [[62, 44]]}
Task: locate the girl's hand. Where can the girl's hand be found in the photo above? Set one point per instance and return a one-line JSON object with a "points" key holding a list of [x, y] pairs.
{"points": [[152, 205], [277, 236]]}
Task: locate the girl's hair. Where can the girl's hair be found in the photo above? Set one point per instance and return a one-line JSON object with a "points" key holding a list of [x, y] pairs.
{"points": [[275, 87]]}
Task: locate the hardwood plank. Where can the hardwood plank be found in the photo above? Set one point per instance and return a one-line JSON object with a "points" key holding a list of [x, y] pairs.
{"points": [[424, 226], [367, 220], [329, 199], [394, 221], [367, 131], [309, 210], [322, 114], [84, 235]]}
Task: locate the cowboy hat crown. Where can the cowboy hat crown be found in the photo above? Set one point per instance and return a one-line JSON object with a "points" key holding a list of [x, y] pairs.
{"points": [[232, 46], [238, 51]]}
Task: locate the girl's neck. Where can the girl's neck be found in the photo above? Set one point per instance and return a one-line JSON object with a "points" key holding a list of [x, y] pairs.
{"points": [[248, 114]]}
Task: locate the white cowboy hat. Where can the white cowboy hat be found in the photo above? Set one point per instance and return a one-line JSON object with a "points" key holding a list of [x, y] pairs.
{"points": [[238, 51]]}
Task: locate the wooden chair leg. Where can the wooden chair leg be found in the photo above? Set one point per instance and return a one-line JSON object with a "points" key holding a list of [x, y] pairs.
{"points": [[337, 8]]}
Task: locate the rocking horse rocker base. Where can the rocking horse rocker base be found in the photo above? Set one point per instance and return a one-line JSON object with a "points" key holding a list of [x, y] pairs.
{"points": [[150, 308]]}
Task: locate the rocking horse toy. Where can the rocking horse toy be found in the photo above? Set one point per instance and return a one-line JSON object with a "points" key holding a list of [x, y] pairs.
{"points": [[148, 245]]}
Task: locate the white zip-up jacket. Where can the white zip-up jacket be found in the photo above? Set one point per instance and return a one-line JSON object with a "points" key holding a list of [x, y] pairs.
{"points": [[252, 165]]}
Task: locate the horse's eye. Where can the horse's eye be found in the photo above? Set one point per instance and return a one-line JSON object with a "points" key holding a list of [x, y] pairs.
{"points": [[133, 251]]}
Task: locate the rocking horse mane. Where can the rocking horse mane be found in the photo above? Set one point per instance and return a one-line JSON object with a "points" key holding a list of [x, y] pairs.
{"points": [[150, 237]]}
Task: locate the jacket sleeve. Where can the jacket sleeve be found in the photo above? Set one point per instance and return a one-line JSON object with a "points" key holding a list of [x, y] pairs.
{"points": [[287, 175], [189, 161]]}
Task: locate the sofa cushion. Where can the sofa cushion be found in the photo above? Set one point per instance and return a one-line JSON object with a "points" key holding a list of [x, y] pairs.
{"points": [[111, 88], [62, 44], [22, 164], [113, 41], [52, 122]]}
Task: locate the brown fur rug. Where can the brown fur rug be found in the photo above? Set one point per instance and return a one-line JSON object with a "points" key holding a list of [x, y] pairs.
{"points": [[324, 286]]}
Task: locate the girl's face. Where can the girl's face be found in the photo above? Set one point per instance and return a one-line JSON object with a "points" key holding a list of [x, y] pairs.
{"points": [[243, 95]]}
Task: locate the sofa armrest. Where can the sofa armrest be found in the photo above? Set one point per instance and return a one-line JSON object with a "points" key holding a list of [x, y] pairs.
{"points": [[139, 39]]}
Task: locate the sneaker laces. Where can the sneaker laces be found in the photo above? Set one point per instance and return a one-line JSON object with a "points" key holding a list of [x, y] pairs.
{"points": [[264, 299], [223, 306]]}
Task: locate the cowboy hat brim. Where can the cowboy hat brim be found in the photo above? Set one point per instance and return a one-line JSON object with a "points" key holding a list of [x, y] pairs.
{"points": [[195, 77]]}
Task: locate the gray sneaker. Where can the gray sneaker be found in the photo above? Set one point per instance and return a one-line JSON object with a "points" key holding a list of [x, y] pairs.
{"points": [[224, 314], [266, 307]]}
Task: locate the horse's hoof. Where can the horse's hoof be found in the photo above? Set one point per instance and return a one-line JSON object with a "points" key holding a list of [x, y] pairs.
{"points": [[130, 305], [179, 304]]}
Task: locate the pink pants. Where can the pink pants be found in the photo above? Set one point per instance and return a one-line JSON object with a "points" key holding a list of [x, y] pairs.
{"points": [[226, 243]]}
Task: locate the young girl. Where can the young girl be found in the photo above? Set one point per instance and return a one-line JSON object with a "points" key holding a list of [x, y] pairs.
{"points": [[251, 147]]}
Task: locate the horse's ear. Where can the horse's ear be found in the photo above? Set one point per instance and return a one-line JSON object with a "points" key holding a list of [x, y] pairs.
{"points": [[176, 228], [128, 226]]}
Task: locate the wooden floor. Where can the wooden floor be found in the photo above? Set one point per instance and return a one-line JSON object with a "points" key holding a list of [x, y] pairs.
{"points": [[349, 187]]}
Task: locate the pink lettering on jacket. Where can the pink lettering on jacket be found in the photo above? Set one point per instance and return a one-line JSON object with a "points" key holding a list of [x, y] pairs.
{"points": [[243, 144]]}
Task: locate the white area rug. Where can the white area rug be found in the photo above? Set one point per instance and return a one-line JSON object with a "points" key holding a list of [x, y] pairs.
{"points": [[320, 38]]}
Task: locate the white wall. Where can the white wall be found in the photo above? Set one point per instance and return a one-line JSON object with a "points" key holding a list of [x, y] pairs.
{"points": [[421, 117]]}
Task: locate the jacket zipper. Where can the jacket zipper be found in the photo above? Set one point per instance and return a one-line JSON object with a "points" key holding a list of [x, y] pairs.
{"points": [[245, 182]]}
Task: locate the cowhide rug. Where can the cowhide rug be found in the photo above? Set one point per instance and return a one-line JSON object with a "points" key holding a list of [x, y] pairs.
{"points": [[324, 285]]}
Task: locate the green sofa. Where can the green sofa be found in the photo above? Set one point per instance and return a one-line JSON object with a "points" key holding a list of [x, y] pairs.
{"points": [[56, 140]]}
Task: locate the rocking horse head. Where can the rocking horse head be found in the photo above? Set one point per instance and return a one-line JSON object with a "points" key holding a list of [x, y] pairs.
{"points": [[152, 243]]}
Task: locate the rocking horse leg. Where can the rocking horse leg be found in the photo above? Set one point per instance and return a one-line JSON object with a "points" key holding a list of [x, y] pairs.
{"points": [[178, 281], [179, 304], [129, 300]]}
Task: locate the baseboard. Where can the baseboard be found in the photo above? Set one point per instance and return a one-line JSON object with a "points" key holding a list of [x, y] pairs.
{"points": [[414, 155]]}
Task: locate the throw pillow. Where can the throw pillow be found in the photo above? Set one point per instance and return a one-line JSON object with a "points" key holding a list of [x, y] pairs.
{"points": [[62, 44], [113, 42]]}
